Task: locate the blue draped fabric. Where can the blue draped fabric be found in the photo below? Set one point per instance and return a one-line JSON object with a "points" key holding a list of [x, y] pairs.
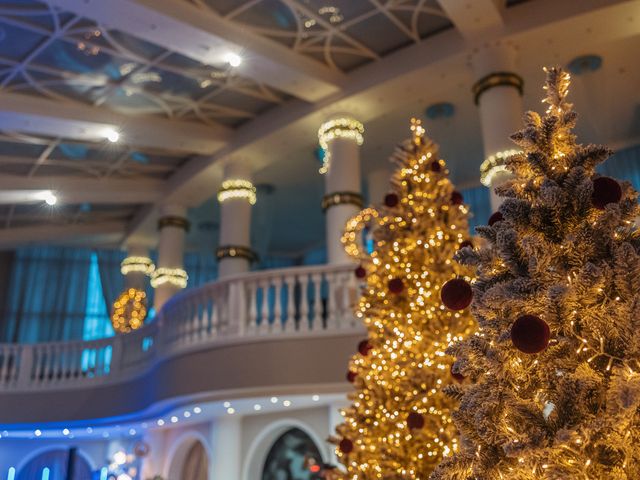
{"points": [[479, 201], [201, 268], [47, 294]]}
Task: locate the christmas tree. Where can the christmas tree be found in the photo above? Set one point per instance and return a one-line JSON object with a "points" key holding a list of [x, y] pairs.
{"points": [[399, 423], [555, 388]]}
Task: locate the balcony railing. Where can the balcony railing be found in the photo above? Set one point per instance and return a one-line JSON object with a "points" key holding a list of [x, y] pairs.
{"points": [[251, 307]]}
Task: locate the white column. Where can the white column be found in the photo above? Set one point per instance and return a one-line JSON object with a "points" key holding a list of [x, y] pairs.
{"points": [[340, 138], [236, 196], [498, 94], [169, 277], [379, 184], [227, 458]]}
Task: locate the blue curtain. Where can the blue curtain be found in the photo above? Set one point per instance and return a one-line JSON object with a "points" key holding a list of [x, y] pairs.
{"points": [[479, 201], [624, 165], [201, 268], [52, 465], [47, 294], [97, 322]]}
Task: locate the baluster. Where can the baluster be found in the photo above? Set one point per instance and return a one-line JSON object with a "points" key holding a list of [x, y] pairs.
{"points": [[215, 318], [316, 322], [49, 364], [5, 356], [253, 308], [27, 357], [332, 288], [353, 294], [303, 325], [290, 319], [264, 320], [277, 305], [14, 366]]}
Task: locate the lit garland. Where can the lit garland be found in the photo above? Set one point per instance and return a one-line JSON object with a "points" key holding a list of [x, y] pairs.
{"points": [[135, 264], [175, 276], [343, 127], [237, 188], [493, 165], [341, 198], [129, 311], [399, 379]]}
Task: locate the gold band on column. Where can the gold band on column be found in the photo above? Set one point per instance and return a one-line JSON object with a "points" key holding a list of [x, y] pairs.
{"points": [[173, 221], [236, 251], [497, 79], [341, 198]]}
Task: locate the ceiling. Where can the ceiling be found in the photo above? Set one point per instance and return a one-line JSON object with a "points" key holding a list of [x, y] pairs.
{"points": [[73, 73]]}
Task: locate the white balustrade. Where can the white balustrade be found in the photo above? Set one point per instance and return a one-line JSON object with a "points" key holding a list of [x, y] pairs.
{"points": [[255, 306]]}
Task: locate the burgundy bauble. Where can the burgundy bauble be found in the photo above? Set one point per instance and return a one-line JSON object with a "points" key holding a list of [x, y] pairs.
{"points": [[415, 421], [395, 285], [364, 347], [351, 376], [458, 377], [456, 198], [456, 294], [345, 446], [496, 217], [465, 243], [530, 334], [605, 190], [435, 166], [360, 272], [391, 200]]}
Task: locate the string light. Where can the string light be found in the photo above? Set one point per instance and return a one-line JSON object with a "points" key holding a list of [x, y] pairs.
{"points": [[343, 127], [493, 165], [129, 311], [174, 276], [237, 188], [136, 264]]}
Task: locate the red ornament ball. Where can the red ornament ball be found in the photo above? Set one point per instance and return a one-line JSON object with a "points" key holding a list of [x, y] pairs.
{"points": [[141, 449], [496, 217], [364, 347], [345, 446], [395, 285], [391, 200], [456, 198], [465, 243], [456, 294], [458, 377], [435, 166], [605, 190], [415, 421], [351, 376], [360, 272], [530, 334]]}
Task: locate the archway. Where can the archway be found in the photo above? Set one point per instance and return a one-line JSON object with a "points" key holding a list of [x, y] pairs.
{"points": [[293, 456], [53, 464], [190, 459]]}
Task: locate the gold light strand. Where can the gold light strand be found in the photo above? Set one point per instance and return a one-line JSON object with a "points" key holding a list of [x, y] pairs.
{"points": [[237, 188], [493, 165], [129, 311], [175, 276], [343, 127], [135, 264]]}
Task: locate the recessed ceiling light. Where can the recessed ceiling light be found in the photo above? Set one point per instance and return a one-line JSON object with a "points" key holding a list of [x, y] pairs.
{"points": [[132, 431], [286, 403], [197, 410], [315, 398], [231, 411], [226, 404], [112, 135], [174, 419], [89, 430], [160, 422], [48, 196], [65, 431], [274, 399], [37, 433], [187, 414], [257, 407], [233, 59]]}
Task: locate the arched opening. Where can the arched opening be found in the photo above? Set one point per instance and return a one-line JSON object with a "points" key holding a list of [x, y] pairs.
{"points": [[190, 461], [54, 465], [293, 456]]}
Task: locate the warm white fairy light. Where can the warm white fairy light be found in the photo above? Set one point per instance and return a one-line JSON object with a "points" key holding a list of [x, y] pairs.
{"points": [[136, 264], [343, 127], [493, 165], [175, 276], [237, 188]]}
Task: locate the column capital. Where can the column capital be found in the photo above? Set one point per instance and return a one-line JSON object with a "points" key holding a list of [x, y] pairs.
{"points": [[174, 221], [339, 126], [342, 198], [236, 251]]}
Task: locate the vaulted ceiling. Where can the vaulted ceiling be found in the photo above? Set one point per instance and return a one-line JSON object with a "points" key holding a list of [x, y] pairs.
{"points": [[160, 78]]}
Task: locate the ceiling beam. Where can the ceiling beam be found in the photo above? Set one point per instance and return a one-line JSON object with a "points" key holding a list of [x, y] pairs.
{"points": [[201, 34], [77, 190], [105, 232], [473, 18], [77, 121]]}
